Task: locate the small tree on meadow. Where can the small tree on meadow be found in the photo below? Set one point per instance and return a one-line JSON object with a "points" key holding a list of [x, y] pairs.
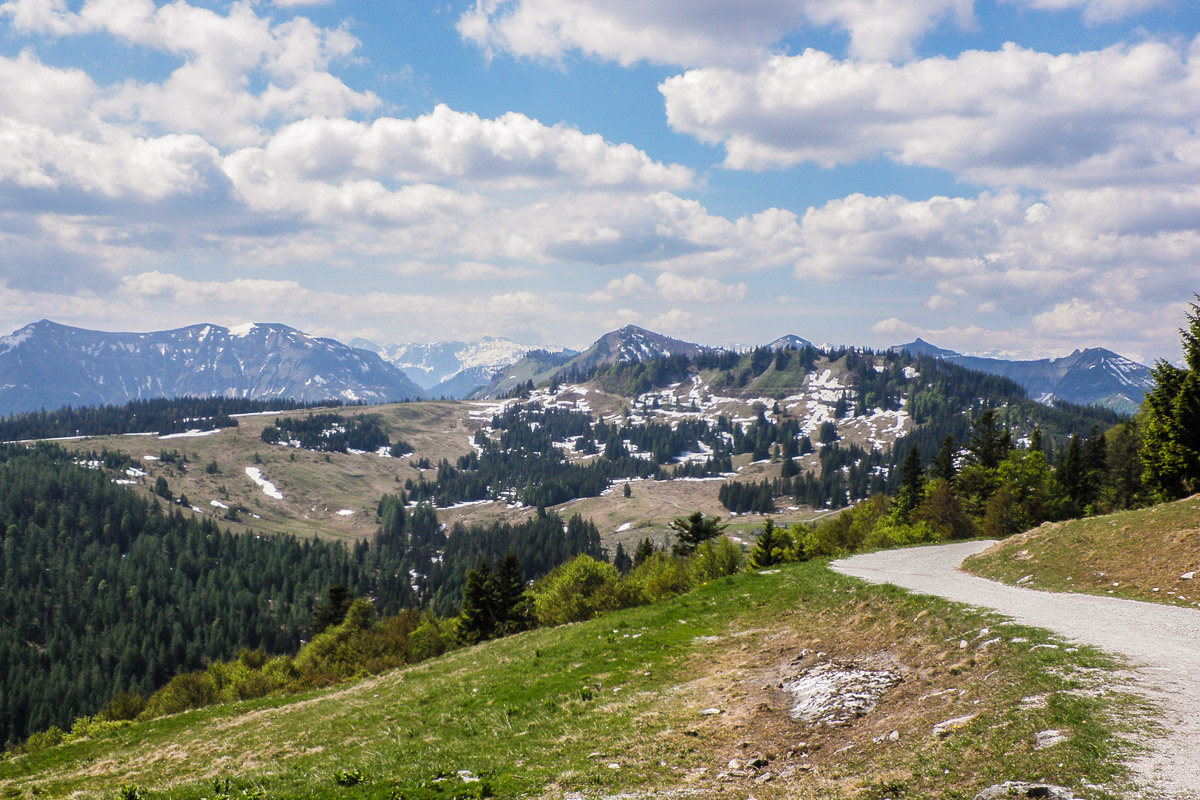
{"points": [[694, 529]]}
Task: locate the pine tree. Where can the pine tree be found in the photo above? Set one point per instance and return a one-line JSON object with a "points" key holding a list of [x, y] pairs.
{"points": [[621, 560], [645, 549], [477, 618], [1171, 435], [912, 484], [509, 593], [694, 529], [768, 550], [943, 463], [987, 443]]}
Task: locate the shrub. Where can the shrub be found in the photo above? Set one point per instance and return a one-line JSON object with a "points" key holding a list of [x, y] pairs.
{"points": [[124, 706], [714, 559], [576, 590], [657, 578], [184, 691]]}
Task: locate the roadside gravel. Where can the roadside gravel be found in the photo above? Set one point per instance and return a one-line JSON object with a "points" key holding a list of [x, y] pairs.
{"points": [[1161, 643]]}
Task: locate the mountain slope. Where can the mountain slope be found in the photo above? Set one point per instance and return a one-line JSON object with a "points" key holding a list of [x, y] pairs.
{"points": [[1092, 376], [455, 369], [616, 706], [630, 344], [47, 365]]}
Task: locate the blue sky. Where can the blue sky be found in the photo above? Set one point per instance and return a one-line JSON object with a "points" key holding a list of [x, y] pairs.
{"points": [[1017, 177]]}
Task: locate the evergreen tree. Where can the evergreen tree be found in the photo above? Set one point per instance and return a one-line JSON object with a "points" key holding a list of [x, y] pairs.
{"points": [[645, 549], [942, 464], [509, 592], [333, 611], [912, 484], [694, 529], [1171, 435], [621, 560], [477, 618], [988, 441], [769, 549]]}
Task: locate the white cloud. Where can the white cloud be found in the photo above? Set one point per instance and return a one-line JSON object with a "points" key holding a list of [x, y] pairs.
{"points": [[1141, 333], [630, 286], [676, 322], [222, 56], [1014, 116], [445, 145], [702, 32], [1021, 255], [684, 289], [1097, 11]]}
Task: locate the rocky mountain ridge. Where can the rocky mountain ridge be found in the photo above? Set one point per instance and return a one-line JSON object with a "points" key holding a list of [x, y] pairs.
{"points": [[1091, 376], [48, 365], [455, 369]]}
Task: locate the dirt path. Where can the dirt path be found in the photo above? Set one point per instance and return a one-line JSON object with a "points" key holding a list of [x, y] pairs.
{"points": [[1162, 642]]}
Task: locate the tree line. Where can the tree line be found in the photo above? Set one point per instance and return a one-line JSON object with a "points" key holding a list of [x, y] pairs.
{"points": [[159, 415]]}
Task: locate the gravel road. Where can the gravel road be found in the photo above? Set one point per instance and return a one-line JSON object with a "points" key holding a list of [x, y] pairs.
{"points": [[1161, 642]]}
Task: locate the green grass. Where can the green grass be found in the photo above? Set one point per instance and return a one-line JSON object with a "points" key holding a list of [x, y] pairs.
{"points": [[1139, 554], [546, 713]]}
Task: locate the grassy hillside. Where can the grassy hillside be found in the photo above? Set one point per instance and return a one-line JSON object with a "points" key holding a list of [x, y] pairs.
{"points": [[654, 698], [314, 488], [1139, 554]]}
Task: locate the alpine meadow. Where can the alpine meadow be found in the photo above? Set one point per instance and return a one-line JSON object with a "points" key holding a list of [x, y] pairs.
{"points": [[590, 400]]}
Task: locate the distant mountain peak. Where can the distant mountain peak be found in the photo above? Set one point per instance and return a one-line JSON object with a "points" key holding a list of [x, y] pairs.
{"points": [[455, 368], [790, 340], [1087, 376], [47, 365]]}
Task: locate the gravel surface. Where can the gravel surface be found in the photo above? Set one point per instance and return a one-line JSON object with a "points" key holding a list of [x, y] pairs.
{"points": [[1161, 642]]}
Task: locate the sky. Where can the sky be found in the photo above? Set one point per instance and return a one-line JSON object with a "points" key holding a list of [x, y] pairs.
{"points": [[998, 177]]}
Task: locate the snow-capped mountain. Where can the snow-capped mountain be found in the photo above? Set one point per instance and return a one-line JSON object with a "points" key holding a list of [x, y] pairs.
{"points": [[1091, 376], [47, 365], [455, 369], [790, 341], [630, 343]]}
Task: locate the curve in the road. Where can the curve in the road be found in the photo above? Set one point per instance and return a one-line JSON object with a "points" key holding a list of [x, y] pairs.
{"points": [[1162, 642]]}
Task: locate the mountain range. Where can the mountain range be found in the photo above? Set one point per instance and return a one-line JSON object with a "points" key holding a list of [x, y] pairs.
{"points": [[1091, 376], [630, 343], [454, 369], [48, 365]]}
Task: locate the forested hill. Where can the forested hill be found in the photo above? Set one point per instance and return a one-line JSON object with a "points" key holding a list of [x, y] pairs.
{"points": [[103, 590], [163, 416]]}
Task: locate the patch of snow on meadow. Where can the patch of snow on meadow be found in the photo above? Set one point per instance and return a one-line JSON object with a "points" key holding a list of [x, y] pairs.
{"points": [[345, 512], [255, 474], [191, 434]]}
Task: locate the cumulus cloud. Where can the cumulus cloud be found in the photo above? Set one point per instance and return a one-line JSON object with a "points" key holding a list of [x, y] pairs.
{"points": [[686, 289], [446, 145], [1017, 253], [1097, 11], [1009, 117], [703, 32], [208, 94], [1141, 333]]}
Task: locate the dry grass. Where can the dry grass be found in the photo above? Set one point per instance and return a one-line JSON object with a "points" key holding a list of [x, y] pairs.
{"points": [[1138, 554]]}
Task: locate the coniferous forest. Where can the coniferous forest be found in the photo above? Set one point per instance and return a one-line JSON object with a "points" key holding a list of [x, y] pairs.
{"points": [[158, 415], [103, 591]]}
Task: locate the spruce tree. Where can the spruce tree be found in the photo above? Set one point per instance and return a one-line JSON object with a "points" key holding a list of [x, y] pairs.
{"points": [[477, 618], [912, 484], [694, 529], [1171, 435], [768, 550]]}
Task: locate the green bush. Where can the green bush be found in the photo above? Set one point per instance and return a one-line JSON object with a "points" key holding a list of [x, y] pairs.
{"points": [[185, 691], [576, 590], [714, 559], [657, 578]]}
